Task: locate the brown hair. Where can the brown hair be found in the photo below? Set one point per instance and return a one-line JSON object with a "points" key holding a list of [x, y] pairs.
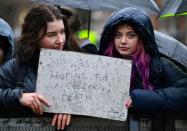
{"points": [[27, 48]]}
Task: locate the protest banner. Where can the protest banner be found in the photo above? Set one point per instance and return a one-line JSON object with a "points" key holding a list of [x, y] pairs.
{"points": [[83, 84]]}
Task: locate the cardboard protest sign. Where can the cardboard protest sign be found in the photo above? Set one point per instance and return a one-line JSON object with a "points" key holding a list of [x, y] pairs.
{"points": [[83, 84]]}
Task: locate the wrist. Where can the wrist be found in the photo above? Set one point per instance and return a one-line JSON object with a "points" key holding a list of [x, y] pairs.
{"points": [[20, 96]]}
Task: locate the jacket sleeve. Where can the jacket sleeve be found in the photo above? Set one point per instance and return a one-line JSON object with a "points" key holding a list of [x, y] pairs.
{"points": [[171, 98], [9, 93]]}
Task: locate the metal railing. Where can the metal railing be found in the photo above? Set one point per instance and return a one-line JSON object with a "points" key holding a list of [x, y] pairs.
{"points": [[136, 122]]}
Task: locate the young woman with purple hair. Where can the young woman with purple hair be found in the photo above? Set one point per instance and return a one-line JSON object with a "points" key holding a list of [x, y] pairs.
{"points": [[157, 84]]}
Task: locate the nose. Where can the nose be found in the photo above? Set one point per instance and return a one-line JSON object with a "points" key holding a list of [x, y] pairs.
{"points": [[60, 39], [123, 39]]}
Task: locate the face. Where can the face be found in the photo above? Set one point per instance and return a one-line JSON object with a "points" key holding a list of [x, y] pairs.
{"points": [[126, 40], [54, 37]]}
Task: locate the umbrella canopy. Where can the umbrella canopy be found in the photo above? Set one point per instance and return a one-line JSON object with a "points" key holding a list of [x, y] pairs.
{"points": [[174, 7], [147, 5], [95, 5], [172, 48]]}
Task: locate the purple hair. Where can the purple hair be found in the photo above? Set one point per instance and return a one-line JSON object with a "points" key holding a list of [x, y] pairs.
{"points": [[140, 59]]}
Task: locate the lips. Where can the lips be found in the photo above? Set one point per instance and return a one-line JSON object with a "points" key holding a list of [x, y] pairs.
{"points": [[60, 47], [123, 48]]}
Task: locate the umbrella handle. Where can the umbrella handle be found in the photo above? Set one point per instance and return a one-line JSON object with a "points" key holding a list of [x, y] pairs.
{"points": [[89, 21]]}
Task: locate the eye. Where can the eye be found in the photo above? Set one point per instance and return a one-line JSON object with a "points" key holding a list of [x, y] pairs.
{"points": [[62, 31], [51, 34], [131, 35], [117, 35]]}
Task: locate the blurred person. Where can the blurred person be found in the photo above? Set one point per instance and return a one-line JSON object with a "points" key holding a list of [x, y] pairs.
{"points": [[88, 44], [6, 41], [172, 49], [157, 84], [79, 35]]}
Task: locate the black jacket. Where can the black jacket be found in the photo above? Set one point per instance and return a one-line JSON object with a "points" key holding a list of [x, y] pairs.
{"points": [[12, 85], [169, 81]]}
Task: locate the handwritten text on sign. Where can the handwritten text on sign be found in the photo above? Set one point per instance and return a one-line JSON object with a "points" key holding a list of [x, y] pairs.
{"points": [[83, 84]]}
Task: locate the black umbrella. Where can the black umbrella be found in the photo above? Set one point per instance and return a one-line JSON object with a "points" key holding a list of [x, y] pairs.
{"points": [[96, 5], [174, 8], [148, 5]]}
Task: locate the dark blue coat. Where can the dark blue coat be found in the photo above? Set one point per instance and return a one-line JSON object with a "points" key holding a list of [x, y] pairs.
{"points": [[169, 81], [12, 85]]}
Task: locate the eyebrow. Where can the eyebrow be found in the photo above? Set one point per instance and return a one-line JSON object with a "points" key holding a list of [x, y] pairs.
{"points": [[51, 32]]}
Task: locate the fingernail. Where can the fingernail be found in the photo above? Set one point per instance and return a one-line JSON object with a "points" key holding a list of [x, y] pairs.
{"points": [[67, 123]]}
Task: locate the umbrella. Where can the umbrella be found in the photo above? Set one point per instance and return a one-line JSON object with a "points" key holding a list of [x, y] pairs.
{"points": [[171, 48], [148, 5], [96, 5], [174, 7]]}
